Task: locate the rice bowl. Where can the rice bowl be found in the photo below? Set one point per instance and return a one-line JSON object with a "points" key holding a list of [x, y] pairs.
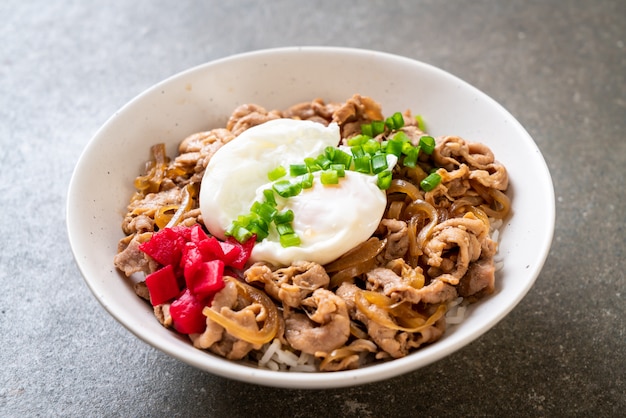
{"points": [[203, 97]]}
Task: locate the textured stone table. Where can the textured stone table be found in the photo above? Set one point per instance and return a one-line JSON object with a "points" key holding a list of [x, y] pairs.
{"points": [[558, 66]]}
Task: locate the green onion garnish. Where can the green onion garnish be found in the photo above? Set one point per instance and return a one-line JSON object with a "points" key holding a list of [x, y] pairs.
{"points": [[289, 240], [339, 168], [342, 157], [284, 217], [297, 169], [363, 164], [323, 161], [366, 129], [311, 164], [371, 146], [430, 182], [427, 144], [284, 228], [285, 188], [329, 177], [268, 194], [378, 127], [394, 147], [306, 181], [407, 147], [395, 121], [410, 160], [238, 232], [260, 228], [277, 173], [358, 140], [357, 151], [265, 210], [379, 163], [384, 179], [420, 123]]}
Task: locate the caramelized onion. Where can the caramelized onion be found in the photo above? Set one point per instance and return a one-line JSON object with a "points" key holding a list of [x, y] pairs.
{"points": [[359, 254], [351, 272], [346, 355], [395, 210], [364, 298], [503, 205], [251, 294], [422, 206], [163, 215], [155, 171], [403, 186], [188, 193]]}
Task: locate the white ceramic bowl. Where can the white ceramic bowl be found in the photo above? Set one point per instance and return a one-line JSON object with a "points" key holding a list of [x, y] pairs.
{"points": [[203, 97]]}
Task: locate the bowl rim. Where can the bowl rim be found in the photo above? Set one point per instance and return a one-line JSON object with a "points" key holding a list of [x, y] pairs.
{"points": [[377, 372]]}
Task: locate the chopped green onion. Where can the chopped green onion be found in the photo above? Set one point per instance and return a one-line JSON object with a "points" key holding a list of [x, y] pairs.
{"points": [[289, 240], [330, 152], [311, 164], [401, 136], [420, 123], [323, 161], [371, 146], [379, 163], [357, 151], [384, 179], [260, 228], [358, 140], [342, 157], [378, 127], [339, 168], [285, 188], [238, 232], [395, 121], [265, 210], [285, 228], [407, 147], [410, 160], [306, 181], [394, 147], [329, 177], [277, 173], [366, 129], [430, 182], [283, 217], [427, 144], [363, 164], [268, 194], [298, 169]]}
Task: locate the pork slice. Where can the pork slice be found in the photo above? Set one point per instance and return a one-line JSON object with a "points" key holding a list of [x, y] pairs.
{"points": [[390, 284], [397, 238], [132, 260], [292, 284], [479, 280], [322, 331]]}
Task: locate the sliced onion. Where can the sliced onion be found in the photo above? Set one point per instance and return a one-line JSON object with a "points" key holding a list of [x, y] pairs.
{"points": [[362, 301], [251, 294], [359, 254]]}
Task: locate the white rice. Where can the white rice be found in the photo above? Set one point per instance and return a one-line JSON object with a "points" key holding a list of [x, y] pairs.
{"points": [[456, 311], [277, 359]]}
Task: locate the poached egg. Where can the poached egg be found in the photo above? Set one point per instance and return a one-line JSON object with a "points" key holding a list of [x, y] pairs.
{"points": [[329, 219]]}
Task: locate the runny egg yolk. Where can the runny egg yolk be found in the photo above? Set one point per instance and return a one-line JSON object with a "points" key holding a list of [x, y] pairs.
{"points": [[329, 219]]}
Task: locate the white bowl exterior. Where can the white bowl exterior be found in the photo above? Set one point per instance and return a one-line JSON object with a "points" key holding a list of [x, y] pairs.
{"points": [[203, 97]]}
